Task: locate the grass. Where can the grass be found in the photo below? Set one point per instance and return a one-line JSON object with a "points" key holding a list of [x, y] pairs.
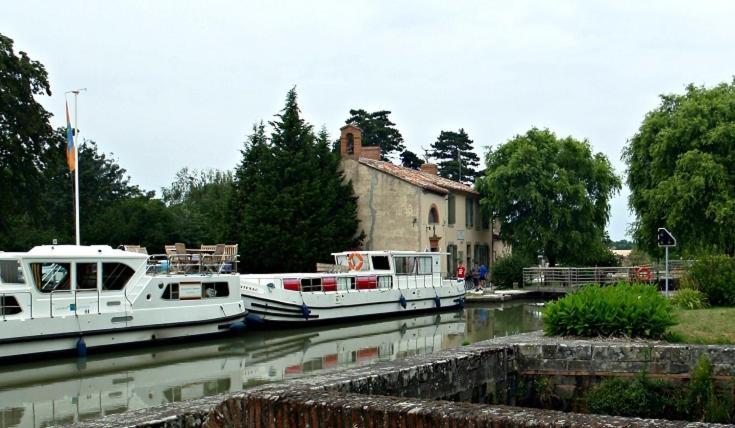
{"points": [[712, 326]]}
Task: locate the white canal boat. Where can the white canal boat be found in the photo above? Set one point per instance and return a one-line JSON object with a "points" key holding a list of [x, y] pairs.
{"points": [[67, 298], [363, 284]]}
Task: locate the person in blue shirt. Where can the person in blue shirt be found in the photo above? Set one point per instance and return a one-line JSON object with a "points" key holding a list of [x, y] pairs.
{"points": [[483, 275]]}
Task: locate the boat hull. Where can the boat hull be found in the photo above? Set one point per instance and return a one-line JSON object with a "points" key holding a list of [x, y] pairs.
{"points": [[31, 346], [287, 307]]}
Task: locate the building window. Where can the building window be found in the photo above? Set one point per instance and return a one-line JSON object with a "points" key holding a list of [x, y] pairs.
{"points": [[451, 202], [469, 212], [433, 215], [451, 259], [350, 144]]}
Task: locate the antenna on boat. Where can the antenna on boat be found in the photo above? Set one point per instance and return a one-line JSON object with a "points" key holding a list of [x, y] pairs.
{"points": [[74, 136]]}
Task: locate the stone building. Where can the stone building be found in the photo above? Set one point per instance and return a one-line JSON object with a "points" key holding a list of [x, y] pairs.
{"points": [[405, 209]]}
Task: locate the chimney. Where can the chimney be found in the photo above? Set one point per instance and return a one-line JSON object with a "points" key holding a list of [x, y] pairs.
{"points": [[430, 168], [371, 152], [350, 142]]}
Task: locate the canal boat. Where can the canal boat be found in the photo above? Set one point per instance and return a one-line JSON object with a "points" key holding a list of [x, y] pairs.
{"points": [[68, 298], [360, 284]]}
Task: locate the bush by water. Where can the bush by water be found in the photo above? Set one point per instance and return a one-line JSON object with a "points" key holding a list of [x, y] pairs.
{"points": [[715, 277], [620, 310], [688, 298]]}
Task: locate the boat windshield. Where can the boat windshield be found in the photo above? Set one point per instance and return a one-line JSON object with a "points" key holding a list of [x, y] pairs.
{"points": [[11, 272], [353, 262], [52, 276]]}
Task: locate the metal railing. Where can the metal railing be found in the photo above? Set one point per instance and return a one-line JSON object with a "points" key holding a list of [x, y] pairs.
{"points": [[162, 264], [398, 281], [569, 277], [4, 305]]}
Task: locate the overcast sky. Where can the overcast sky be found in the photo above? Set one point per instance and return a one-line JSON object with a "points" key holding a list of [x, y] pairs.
{"points": [[180, 83]]}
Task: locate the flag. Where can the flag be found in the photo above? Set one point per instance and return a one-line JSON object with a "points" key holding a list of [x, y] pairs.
{"points": [[71, 158]]}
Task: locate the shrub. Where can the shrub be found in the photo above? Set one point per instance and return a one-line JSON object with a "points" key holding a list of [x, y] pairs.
{"points": [[715, 277], [701, 401], [687, 298], [509, 269], [621, 310], [640, 397]]}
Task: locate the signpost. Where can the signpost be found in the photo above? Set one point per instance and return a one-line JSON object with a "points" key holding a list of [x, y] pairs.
{"points": [[666, 239]]}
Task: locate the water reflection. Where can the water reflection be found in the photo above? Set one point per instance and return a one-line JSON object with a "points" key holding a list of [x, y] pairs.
{"points": [[67, 390]]}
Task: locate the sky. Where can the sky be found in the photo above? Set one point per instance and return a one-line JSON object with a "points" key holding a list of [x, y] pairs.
{"points": [[173, 84]]}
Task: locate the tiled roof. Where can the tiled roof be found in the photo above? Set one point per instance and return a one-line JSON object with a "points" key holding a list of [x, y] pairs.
{"points": [[421, 179]]}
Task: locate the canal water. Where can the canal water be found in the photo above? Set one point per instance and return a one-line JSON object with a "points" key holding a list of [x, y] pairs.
{"points": [[60, 391]]}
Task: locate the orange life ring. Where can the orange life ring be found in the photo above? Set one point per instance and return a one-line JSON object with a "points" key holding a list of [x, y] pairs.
{"points": [[644, 274], [352, 264]]}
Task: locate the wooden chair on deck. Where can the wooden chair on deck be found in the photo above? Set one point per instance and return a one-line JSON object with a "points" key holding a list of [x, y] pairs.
{"points": [[135, 249], [179, 258], [230, 256], [213, 261]]}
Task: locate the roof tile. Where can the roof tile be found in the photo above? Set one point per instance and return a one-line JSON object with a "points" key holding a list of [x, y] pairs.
{"points": [[421, 179]]}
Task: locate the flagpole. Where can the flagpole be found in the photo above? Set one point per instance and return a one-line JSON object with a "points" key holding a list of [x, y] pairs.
{"points": [[76, 166], [76, 170]]}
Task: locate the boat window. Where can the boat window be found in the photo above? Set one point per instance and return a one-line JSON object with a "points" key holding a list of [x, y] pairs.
{"points": [[385, 282], [311, 284], [50, 276], [11, 272], [86, 276], [115, 275], [413, 265], [380, 263], [215, 289], [9, 305], [346, 283], [171, 292]]}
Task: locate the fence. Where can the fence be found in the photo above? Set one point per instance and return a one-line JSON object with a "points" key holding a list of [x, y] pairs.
{"points": [[564, 278]]}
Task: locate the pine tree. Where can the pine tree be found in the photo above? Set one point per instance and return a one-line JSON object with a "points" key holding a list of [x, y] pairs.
{"points": [[445, 148], [378, 130], [411, 160], [290, 207]]}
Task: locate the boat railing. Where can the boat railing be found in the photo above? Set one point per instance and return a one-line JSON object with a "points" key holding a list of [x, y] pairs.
{"points": [[197, 264], [4, 305], [400, 281], [74, 295]]}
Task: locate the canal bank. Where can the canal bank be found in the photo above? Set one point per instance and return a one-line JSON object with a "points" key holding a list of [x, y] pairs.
{"points": [[452, 387]]}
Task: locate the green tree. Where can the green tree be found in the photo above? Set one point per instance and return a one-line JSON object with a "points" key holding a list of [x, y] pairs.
{"points": [[25, 133], [378, 130], [445, 150], [681, 170], [199, 201], [550, 194], [290, 207], [411, 160]]}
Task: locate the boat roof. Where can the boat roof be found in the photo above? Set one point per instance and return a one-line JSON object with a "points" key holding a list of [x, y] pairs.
{"points": [[76, 251], [390, 253]]}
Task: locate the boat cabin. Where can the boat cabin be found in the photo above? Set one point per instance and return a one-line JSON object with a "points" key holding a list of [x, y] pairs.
{"points": [[367, 270]]}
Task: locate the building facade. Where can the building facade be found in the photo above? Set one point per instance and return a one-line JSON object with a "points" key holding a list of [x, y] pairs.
{"points": [[405, 209]]}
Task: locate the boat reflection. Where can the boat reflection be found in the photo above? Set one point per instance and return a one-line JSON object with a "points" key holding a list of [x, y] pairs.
{"points": [[65, 391]]}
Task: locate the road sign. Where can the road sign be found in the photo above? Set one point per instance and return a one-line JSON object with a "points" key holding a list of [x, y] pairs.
{"points": [[665, 238]]}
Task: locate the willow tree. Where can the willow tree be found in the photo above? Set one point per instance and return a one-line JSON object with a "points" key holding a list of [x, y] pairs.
{"points": [[681, 170], [551, 196]]}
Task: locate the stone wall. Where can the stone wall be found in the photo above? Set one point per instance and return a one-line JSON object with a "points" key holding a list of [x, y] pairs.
{"points": [[444, 389]]}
